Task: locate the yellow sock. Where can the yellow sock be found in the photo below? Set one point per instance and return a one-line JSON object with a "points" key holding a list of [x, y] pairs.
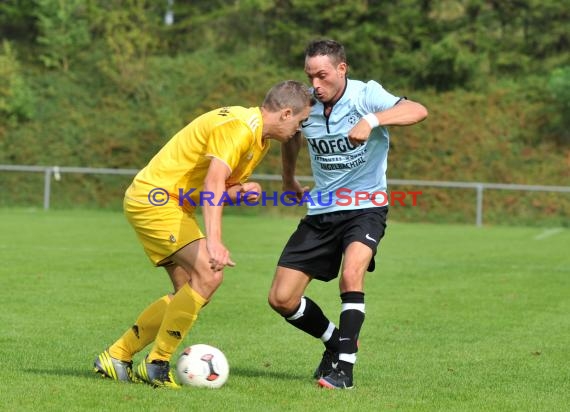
{"points": [[178, 319], [142, 332]]}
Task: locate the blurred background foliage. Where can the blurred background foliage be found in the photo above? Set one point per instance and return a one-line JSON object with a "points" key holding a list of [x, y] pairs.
{"points": [[106, 83]]}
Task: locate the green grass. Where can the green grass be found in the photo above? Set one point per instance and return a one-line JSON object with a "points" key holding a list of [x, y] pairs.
{"points": [[458, 318]]}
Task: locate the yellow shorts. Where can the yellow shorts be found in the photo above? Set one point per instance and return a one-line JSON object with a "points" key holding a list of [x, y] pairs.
{"points": [[162, 230]]}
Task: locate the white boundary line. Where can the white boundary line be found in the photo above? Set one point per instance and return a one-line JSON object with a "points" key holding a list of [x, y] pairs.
{"points": [[548, 233]]}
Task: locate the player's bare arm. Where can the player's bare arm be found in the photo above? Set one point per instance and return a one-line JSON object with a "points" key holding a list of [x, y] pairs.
{"points": [[404, 113], [215, 182], [289, 154]]}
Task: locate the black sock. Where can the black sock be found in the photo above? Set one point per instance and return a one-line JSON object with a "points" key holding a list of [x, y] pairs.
{"points": [[332, 343], [309, 318], [351, 320]]}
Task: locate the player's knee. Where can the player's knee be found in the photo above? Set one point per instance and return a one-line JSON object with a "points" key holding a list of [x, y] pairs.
{"points": [[280, 303], [213, 280], [352, 279], [217, 278], [272, 301]]}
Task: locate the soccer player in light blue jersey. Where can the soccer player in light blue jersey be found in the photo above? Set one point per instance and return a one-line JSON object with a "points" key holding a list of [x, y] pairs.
{"points": [[348, 144]]}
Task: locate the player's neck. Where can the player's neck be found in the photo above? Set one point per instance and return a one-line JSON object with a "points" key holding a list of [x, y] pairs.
{"points": [[328, 106]]}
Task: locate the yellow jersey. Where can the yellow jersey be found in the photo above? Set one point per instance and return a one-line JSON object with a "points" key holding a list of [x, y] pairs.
{"points": [[230, 134]]}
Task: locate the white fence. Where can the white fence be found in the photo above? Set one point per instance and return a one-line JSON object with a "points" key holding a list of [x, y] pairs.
{"points": [[54, 172]]}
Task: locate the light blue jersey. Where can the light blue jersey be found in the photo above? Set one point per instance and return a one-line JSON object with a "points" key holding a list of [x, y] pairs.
{"points": [[339, 168]]}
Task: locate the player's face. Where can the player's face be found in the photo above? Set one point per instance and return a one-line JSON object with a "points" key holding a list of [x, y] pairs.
{"points": [[290, 124], [326, 77]]}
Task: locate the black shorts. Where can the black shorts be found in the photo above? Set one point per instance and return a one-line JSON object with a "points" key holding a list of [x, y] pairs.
{"points": [[317, 246]]}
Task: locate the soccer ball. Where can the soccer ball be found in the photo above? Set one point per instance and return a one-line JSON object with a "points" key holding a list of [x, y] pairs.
{"points": [[202, 366]]}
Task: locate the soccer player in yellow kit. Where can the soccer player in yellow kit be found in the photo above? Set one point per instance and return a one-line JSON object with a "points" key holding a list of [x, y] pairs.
{"points": [[214, 155]]}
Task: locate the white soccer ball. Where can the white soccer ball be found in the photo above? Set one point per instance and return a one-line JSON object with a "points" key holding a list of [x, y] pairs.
{"points": [[202, 366]]}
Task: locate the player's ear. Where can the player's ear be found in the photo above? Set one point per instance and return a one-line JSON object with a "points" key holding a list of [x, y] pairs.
{"points": [[342, 69], [286, 113]]}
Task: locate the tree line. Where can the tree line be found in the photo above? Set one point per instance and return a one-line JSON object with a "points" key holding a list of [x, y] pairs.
{"points": [[442, 44], [105, 83]]}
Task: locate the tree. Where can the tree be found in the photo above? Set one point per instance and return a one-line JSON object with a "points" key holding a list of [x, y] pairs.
{"points": [[16, 97], [63, 31], [130, 33], [557, 108], [17, 21]]}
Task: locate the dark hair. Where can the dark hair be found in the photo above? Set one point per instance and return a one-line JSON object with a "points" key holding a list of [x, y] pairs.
{"points": [[289, 93], [330, 48]]}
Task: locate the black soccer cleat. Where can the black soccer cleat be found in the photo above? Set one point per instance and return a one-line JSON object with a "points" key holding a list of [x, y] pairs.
{"points": [[328, 363], [337, 379]]}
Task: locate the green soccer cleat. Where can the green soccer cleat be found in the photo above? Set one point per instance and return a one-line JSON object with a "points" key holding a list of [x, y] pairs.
{"points": [[156, 373], [112, 368]]}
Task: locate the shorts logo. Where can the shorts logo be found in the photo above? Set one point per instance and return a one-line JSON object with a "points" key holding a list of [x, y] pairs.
{"points": [[370, 238], [172, 239]]}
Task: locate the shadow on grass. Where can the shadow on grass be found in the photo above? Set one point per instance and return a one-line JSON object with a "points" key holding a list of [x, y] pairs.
{"points": [[237, 371], [265, 373], [84, 373]]}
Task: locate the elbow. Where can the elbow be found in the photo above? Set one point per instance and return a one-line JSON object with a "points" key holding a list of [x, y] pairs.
{"points": [[421, 113], [416, 112]]}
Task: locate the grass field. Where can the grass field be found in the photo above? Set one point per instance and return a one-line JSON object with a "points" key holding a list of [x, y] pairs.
{"points": [[458, 318]]}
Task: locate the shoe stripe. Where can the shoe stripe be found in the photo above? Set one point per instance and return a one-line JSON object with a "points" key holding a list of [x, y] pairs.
{"points": [[142, 372], [107, 365], [171, 378], [110, 366]]}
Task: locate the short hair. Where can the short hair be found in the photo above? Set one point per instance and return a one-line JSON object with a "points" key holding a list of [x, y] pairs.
{"points": [[289, 93], [330, 48]]}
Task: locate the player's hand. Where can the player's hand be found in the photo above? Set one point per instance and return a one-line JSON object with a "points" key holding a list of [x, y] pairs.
{"points": [[253, 190], [219, 255], [295, 187], [359, 133]]}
